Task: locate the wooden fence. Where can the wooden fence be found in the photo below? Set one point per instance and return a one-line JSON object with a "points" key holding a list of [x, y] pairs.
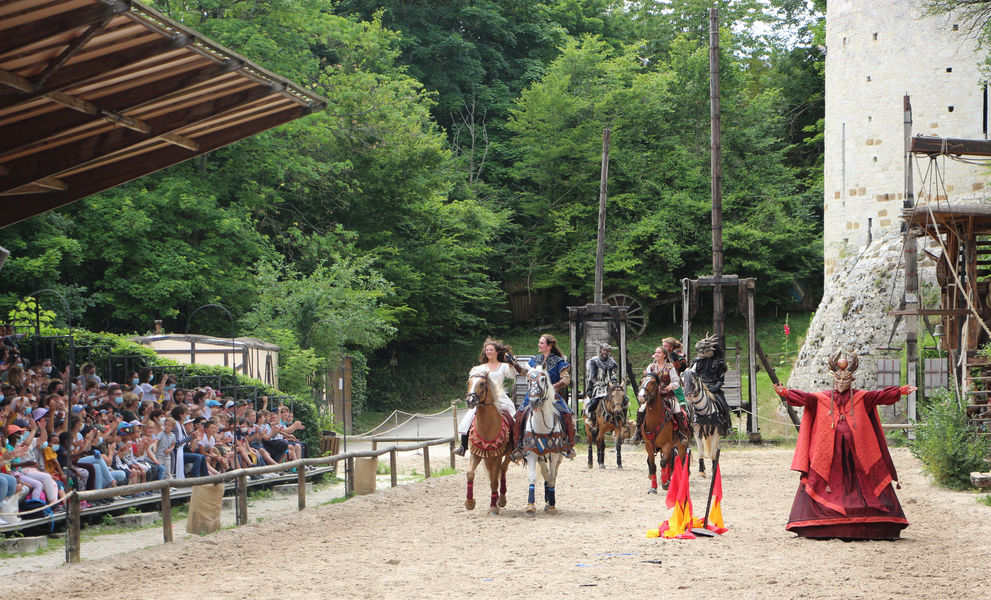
{"points": [[240, 477]]}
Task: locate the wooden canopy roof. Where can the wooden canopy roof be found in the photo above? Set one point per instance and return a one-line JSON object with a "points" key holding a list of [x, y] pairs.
{"points": [[94, 93]]}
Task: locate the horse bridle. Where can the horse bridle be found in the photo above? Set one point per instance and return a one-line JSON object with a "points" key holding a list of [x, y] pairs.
{"points": [[536, 378], [474, 399], [643, 386]]}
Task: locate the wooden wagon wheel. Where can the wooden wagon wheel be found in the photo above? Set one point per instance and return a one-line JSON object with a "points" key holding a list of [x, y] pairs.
{"points": [[636, 314]]}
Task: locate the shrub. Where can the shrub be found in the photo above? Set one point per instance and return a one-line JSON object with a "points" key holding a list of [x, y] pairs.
{"points": [[947, 444]]}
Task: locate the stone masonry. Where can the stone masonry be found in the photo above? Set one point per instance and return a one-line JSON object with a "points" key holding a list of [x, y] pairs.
{"points": [[876, 53]]}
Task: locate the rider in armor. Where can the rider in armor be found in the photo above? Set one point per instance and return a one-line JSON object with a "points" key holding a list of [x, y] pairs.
{"points": [[600, 372], [710, 365]]}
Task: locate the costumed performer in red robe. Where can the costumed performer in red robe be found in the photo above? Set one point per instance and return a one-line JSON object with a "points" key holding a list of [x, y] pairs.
{"points": [[846, 485]]}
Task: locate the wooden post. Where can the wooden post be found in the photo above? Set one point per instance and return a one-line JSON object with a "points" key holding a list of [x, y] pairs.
{"points": [[375, 445], [686, 318], [242, 499], [911, 272], [167, 515], [72, 527], [601, 239], [426, 461], [393, 477], [348, 477], [301, 487], [753, 428], [718, 311], [452, 454], [573, 359]]}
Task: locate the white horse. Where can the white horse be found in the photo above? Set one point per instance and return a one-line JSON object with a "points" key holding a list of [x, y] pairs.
{"points": [[708, 413], [544, 439]]}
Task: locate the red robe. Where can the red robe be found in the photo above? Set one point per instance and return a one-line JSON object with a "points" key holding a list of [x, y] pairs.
{"points": [[846, 469]]}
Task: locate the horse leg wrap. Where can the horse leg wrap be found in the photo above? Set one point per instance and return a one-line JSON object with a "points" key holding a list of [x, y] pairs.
{"points": [[665, 474], [653, 481], [549, 496], [547, 492], [530, 495], [701, 465], [471, 490], [493, 498]]}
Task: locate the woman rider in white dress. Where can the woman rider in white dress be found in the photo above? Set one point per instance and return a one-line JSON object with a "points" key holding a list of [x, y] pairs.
{"points": [[496, 361]]}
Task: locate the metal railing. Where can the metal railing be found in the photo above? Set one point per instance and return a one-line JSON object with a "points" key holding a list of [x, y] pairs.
{"points": [[240, 477]]}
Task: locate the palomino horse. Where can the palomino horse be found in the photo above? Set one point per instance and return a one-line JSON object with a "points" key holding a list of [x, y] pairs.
{"points": [[658, 431], [488, 441], [544, 439], [712, 419], [609, 417]]}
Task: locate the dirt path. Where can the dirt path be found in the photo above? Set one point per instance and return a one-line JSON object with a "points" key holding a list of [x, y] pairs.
{"points": [[418, 541]]}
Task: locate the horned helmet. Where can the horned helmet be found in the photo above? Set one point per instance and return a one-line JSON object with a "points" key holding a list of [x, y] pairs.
{"points": [[604, 350], [843, 369], [708, 347]]}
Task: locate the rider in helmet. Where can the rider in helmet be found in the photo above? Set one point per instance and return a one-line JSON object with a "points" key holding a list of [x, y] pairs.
{"points": [[600, 372]]}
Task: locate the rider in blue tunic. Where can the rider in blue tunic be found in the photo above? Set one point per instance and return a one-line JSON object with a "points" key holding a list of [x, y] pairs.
{"points": [[557, 367]]}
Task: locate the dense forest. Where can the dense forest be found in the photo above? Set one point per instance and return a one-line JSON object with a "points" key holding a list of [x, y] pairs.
{"points": [[458, 157]]}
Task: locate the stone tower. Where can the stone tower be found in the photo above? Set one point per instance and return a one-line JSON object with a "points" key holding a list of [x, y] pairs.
{"points": [[877, 52]]}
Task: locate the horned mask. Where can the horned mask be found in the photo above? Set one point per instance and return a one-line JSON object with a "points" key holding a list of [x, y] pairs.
{"points": [[843, 369]]}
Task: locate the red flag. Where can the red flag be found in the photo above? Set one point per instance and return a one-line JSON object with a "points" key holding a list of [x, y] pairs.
{"points": [[674, 484]]}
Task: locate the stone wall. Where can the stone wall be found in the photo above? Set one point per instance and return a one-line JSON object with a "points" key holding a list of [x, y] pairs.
{"points": [[863, 288], [876, 53]]}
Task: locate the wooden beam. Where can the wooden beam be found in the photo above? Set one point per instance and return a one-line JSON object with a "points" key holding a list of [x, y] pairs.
{"points": [[92, 181], [97, 68], [929, 312], [178, 140], [34, 31], [50, 162], [52, 184], [15, 81], [75, 46], [962, 147], [23, 133], [710, 281]]}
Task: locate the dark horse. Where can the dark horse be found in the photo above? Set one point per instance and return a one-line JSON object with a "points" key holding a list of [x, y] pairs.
{"points": [[489, 441], [659, 431], [610, 416]]}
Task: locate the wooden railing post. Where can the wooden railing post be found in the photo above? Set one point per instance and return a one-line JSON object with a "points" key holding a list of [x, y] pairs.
{"points": [[349, 477], [452, 454], [167, 515], [72, 526], [393, 476], [242, 499], [301, 486], [426, 461]]}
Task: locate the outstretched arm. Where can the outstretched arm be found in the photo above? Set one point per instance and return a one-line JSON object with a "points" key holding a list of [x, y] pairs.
{"points": [[888, 395], [794, 397]]}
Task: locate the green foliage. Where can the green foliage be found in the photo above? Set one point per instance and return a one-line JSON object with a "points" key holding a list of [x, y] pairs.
{"points": [[659, 173], [29, 311], [947, 445]]}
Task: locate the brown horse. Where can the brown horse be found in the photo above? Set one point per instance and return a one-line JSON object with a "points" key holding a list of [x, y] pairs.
{"points": [[658, 429], [488, 441], [609, 417]]}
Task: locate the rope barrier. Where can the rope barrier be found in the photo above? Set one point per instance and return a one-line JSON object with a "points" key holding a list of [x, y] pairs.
{"points": [[40, 508]]}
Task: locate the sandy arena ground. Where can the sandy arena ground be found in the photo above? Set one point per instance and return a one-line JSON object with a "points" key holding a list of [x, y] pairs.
{"points": [[418, 541]]}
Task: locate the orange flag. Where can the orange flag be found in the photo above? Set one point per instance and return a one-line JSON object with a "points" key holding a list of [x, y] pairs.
{"points": [[716, 512]]}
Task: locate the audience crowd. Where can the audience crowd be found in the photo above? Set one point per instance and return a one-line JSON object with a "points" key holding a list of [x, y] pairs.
{"points": [[86, 434]]}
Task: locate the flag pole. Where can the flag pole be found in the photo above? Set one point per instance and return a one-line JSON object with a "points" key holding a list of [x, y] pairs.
{"points": [[704, 530]]}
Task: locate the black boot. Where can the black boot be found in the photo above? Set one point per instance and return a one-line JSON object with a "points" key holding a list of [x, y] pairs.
{"points": [[464, 446], [637, 435]]}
